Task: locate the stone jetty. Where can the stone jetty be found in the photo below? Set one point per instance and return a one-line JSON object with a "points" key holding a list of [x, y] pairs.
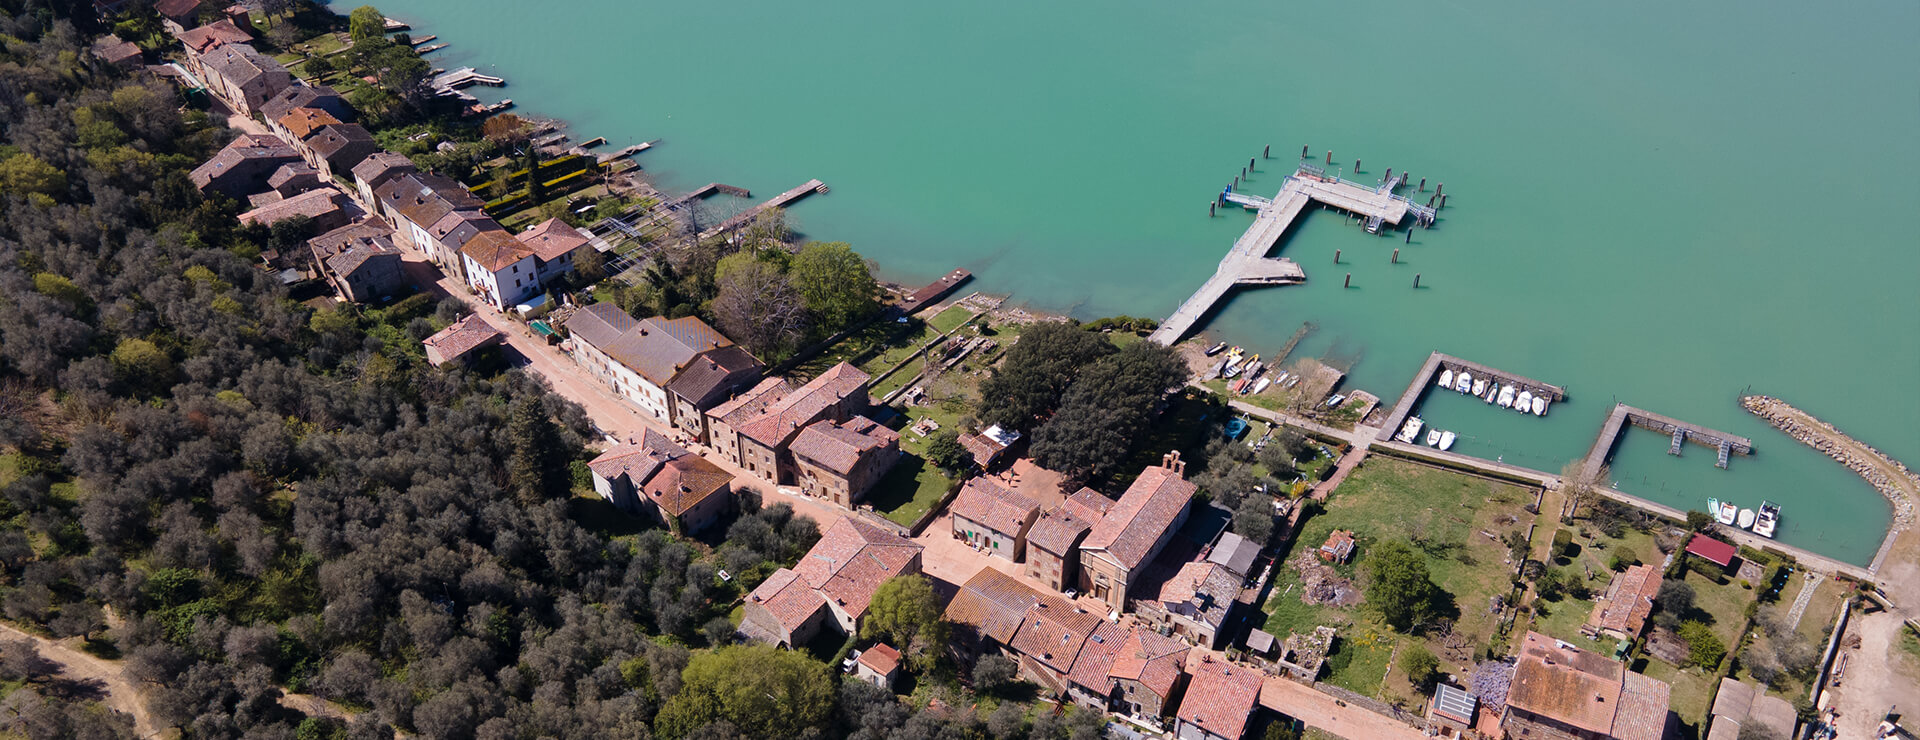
{"points": [[1887, 475]]}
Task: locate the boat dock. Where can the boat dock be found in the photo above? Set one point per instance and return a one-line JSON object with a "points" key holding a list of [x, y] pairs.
{"points": [[1438, 362], [1248, 264], [1724, 444], [623, 153], [779, 201], [707, 191], [465, 77]]}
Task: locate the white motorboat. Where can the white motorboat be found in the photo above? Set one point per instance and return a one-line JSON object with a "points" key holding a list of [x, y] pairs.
{"points": [[1411, 430], [1433, 438], [1723, 512], [1539, 405], [1479, 387], [1543, 406], [1446, 378], [1464, 382], [1769, 518], [1506, 397], [1262, 385], [1216, 349], [1525, 402], [1446, 440], [1335, 400], [1746, 518]]}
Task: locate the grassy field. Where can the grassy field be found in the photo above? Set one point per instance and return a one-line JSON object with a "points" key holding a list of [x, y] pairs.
{"points": [[1445, 515], [950, 319], [909, 490], [1588, 564], [9, 468], [906, 374], [1692, 691]]}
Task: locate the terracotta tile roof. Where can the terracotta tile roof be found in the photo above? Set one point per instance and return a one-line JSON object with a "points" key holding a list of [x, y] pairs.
{"points": [[302, 122], [240, 63], [350, 260], [246, 147], [1556, 680], [1057, 531], [638, 461], [788, 598], [1642, 712], [455, 229], [114, 50], [1714, 550], [335, 138], [423, 198], [685, 482], [852, 559], [714, 373], [881, 658], [461, 337], [1088, 504], [176, 8], [784, 418], [1220, 697], [1153, 659], [990, 504], [1209, 588], [1052, 633], [326, 245], [312, 204], [552, 239], [840, 447], [1146, 511], [292, 172], [213, 35], [495, 250], [1090, 670], [654, 348], [307, 96], [752, 403], [379, 163], [992, 603], [1628, 602]]}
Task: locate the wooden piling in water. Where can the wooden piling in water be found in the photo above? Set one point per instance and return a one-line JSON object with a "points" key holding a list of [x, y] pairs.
{"points": [[1423, 186], [1211, 207], [1396, 256], [1249, 164], [1441, 188], [1356, 167], [1303, 151], [1329, 156], [1416, 280], [1349, 282], [1443, 203], [1409, 235], [1267, 153], [1336, 256]]}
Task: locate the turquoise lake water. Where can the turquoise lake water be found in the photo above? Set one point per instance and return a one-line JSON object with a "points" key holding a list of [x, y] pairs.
{"points": [[1661, 204]]}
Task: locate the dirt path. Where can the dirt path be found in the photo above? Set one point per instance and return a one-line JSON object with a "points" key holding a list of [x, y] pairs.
{"points": [[1879, 676], [107, 676]]}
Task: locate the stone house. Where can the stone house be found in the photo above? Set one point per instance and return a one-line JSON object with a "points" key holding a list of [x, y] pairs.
{"points": [[1559, 690], [359, 261], [244, 167], [638, 359], [759, 441], [1622, 613], [299, 95], [202, 39], [1195, 603], [1053, 542], [986, 613], [460, 339], [324, 207], [878, 665], [1220, 699], [1134, 531], [840, 461], [1052, 634], [116, 51], [1140, 675], [336, 148], [663, 481], [241, 77], [293, 179], [833, 584], [176, 16], [705, 384], [991, 518], [378, 169], [414, 202]]}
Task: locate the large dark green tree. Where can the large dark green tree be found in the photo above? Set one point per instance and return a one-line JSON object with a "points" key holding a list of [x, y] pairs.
{"points": [[1039, 368], [537, 468], [906, 612], [1399, 586], [835, 282], [1106, 410], [760, 690]]}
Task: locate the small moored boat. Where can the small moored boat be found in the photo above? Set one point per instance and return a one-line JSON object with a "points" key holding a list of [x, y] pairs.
{"points": [[1539, 405], [1543, 406], [1411, 430], [1506, 397], [1746, 518], [1446, 441], [1724, 512], [1216, 349], [1446, 378], [1768, 519], [1479, 387], [1262, 385], [1433, 438], [1493, 391], [1464, 382]]}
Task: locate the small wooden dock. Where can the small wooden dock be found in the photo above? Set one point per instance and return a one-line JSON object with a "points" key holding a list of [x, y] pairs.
{"points": [[465, 77], [1248, 264], [779, 201], [707, 191], [1723, 444], [1438, 362]]}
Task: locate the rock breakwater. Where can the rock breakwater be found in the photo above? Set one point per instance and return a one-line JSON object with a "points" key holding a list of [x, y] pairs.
{"points": [[1888, 476]]}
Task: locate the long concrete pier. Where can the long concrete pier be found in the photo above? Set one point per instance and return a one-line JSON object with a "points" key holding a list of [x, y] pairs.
{"points": [[779, 201], [1248, 264], [1438, 362], [1623, 415]]}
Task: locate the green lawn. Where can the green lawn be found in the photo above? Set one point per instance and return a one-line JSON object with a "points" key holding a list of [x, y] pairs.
{"points": [[950, 319], [909, 490], [877, 360], [906, 374], [1692, 691], [1444, 514], [9, 468]]}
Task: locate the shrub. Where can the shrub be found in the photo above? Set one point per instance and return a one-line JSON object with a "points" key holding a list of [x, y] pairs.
{"points": [[1704, 648]]}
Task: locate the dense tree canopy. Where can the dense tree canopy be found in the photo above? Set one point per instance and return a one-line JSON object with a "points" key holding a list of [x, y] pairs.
{"points": [[761, 690], [835, 282], [1039, 367], [1398, 585], [906, 613], [1107, 410]]}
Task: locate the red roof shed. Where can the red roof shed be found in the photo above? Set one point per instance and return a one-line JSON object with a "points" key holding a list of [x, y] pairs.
{"points": [[1713, 550]]}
